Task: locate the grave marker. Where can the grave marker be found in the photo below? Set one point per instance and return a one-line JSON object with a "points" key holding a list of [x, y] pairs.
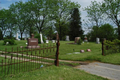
{"points": [[32, 42], [76, 39], [67, 38]]}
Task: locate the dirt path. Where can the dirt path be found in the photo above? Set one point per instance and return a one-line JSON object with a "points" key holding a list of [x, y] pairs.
{"points": [[25, 59], [83, 63]]}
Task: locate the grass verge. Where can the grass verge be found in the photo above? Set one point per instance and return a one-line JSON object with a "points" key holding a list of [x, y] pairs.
{"points": [[54, 73]]}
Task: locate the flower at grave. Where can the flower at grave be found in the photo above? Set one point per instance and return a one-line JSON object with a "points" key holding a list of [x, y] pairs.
{"points": [[88, 50], [41, 66], [82, 51]]}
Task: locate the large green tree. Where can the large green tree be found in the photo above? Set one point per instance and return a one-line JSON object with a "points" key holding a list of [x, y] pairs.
{"points": [[104, 31], [112, 9], [18, 10], [61, 14], [94, 13], [75, 24], [3, 19]]}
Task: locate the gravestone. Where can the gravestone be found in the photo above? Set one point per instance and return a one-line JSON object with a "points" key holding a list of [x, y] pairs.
{"points": [[41, 38], [17, 36], [76, 39], [47, 41], [67, 38], [85, 39], [53, 41], [32, 42], [97, 40]]}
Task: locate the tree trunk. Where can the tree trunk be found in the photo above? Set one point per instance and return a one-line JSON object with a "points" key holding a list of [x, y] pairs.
{"points": [[21, 35], [1, 35], [119, 32], [60, 31]]}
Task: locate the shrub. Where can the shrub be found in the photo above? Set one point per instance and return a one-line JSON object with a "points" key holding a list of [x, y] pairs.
{"points": [[10, 41], [112, 46], [79, 42]]}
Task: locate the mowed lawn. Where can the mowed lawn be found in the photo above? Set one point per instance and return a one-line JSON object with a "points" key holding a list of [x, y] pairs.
{"points": [[54, 73], [67, 52], [65, 72]]}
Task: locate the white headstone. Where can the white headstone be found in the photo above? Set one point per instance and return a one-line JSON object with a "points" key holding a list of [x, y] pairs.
{"points": [[17, 36], [53, 41], [97, 40], [47, 41], [41, 38], [67, 38]]}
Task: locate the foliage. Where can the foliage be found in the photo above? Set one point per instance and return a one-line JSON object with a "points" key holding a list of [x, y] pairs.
{"points": [[107, 31], [10, 42], [104, 31], [111, 8], [94, 13], [79, 42], [64, 29], [34, 15], [112, 46], [62, 15], [75, 24]]}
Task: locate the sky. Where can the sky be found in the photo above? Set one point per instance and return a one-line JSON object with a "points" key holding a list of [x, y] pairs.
{"points": [[84, 3]]}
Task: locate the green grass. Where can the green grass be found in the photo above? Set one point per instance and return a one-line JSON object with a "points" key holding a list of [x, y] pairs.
{"points": [[54, 73], [94, 55], [64, 72]]}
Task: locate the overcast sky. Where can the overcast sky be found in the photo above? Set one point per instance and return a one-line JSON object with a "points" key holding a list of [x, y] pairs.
{"points": [[84, 3]]}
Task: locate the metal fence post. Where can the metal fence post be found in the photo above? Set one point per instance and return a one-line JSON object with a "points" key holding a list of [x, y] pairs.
{"points": [[57, 52]]}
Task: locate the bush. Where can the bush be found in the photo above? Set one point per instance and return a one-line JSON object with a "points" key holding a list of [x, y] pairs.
{"points": [[112, 46], [79, 42], [10, 41]]}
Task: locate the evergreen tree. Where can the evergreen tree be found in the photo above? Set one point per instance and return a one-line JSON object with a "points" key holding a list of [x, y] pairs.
{"points": [[75, 24]]}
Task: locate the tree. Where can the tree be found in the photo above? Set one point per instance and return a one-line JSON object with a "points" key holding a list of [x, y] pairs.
{"points": [[18, 11], [64, 29], [94, 13], [112, 9], [75, 24], [10, 23], [61, 13], [104, 31], [107, 31], [3, 19]]}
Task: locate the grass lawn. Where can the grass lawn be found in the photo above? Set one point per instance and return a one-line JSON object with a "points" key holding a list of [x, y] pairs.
{"points": [[94, 55], [65, 49], [64, 72], [54, 73]]}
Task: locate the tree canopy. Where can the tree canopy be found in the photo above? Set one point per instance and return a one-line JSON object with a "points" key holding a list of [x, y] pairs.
{"points": [[75, 24]]}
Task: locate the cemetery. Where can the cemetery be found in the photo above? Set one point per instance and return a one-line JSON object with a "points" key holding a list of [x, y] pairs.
{"points": [[53, 40]]}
